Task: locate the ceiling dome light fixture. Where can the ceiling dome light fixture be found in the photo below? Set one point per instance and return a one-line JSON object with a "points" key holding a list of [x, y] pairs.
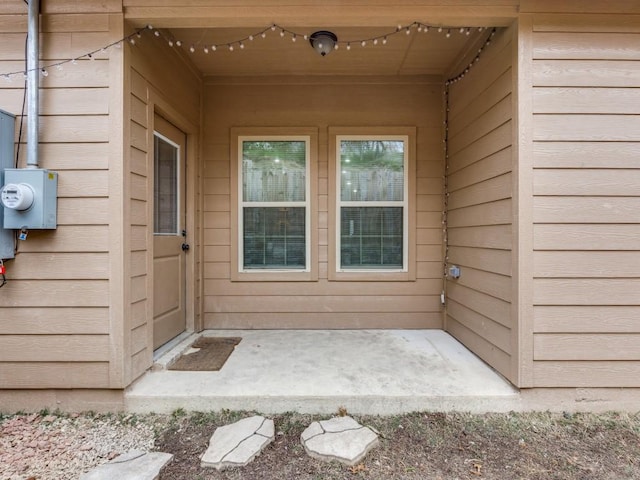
{"points": [[323, 41]]}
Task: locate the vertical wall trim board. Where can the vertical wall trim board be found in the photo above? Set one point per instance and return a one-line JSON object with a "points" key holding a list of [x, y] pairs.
{"points": [[522, 258], [119, 371]]}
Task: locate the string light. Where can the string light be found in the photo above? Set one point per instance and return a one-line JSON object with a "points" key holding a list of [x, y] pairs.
{"points": [[240, 43], [447, 98]]}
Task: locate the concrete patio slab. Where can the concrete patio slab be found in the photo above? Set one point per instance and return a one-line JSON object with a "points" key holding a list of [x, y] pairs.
{"points": [[340, 438], [133, 465], [237, 444], [318, 371]]}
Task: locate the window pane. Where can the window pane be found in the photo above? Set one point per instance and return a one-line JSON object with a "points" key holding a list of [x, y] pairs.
{"points": [[165, 205], [274, 237], [371, 237], [371, 170], [273, 171]]}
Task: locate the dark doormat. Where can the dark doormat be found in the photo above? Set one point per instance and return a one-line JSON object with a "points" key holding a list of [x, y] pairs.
{"points": [[211, 356]]}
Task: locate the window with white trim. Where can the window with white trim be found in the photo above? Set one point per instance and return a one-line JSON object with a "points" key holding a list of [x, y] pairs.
{"points": [[273, 194], [372, 203]]}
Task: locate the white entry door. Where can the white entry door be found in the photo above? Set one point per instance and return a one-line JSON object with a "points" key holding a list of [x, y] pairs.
{"points": [[169, 240]]}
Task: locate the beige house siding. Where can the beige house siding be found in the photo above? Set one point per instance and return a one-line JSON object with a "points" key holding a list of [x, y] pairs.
{"points": [[176, 96], [322, 303], [586, 138], [479, 206], [55, 320]]}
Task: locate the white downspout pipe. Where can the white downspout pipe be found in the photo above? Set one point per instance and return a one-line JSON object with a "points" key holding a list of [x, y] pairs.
{"points": [[33, 83]]}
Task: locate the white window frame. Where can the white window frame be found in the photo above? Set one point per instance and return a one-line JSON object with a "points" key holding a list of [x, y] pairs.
{"points": [[242, 203], [343, 203]]}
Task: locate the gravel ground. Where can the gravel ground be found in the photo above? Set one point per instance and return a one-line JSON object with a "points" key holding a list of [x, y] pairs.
{"points": [[60, 447]]}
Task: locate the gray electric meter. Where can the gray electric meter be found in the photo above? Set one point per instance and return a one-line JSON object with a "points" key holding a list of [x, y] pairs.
{"points": [[17, 196], [29, 197]]}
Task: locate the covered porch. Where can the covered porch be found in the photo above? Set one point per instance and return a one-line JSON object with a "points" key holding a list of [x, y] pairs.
{"points": [[320, 371]]}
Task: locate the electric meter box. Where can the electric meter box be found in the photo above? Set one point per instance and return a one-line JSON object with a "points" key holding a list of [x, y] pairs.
{"points": [[29, 197], [7, 139]]}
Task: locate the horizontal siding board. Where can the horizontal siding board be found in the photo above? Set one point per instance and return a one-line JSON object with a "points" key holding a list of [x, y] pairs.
{"points": [[323, 288], [586, 73], [605, 22], [579, 6], [591, 100], [84, 74], [83, 183], [73, 128], [493, 142], [586, 319], [139, 338], [491, 307], [483, 326], [54, 348], [54, 321], [83, 211], [489, 167], [483, 102], [586, 237], [497, 261], [584, 374], [71, 156], [325, 320], [603, 155], [587, 346], [586, 210], [138, 263], [376, 303], [73, 238], [429, 270], [581, 264], [610, 291], [585, 46], [496, 116], [498, 188], [495, 61], [562, 127], [586, 182], [493, 284], [217, 270], [61, 101], [493, 213], [59, 375], [429, 236], [489, 236], [61, 266], [217, 236], [138, 212], [55, 293], [499, 360]]}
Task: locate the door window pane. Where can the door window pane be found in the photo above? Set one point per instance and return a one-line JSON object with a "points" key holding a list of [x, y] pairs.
{"points": [[165, 205]]}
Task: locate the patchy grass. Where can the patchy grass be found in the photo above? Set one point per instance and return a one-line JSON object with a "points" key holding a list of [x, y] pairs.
{"points": [[428, 445]]}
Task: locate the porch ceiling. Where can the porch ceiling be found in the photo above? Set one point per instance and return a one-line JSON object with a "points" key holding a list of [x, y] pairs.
{"points": [[419, 53]]}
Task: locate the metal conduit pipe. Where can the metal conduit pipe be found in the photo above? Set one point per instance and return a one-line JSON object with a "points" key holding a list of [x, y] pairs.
{"points": [[33, 82]]}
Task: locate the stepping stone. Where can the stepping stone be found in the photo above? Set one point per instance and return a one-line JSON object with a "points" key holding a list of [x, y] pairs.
{"points": [[341, 438], [235, 445], [135, 464]]}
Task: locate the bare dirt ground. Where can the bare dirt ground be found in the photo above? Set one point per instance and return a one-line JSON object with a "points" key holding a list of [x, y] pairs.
{"points": [[430, 446], [51, 446]]}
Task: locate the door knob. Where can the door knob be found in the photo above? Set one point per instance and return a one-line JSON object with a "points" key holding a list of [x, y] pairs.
{"points": [[185, 247]]}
